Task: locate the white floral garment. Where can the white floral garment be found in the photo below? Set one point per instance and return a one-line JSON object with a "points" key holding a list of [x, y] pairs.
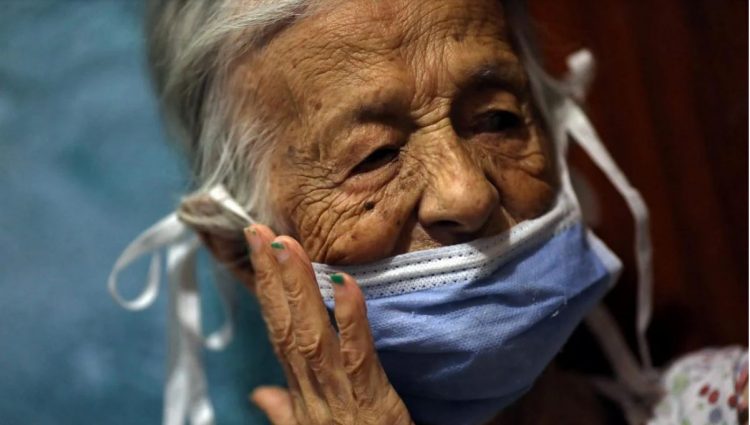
{"points": [[706, 387]]}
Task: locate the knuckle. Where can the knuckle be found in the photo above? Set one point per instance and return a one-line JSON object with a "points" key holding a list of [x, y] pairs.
{"points": [[262, 274], [282, 335], [355, 361], [352, 320], [310, 345], [295, 294], [347, 328], [274, 311], [269, 305]]}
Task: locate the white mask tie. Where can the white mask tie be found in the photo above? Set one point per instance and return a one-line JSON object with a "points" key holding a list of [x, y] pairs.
{"points": [[582, 131], [185, 392]]}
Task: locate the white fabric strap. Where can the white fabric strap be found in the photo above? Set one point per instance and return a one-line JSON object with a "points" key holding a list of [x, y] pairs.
{"points": [[581, 71], [219, 339], [577, 125], [603, 326], [166, 231], [636, 412], [581, 130], [636, 387], [185, 393]]}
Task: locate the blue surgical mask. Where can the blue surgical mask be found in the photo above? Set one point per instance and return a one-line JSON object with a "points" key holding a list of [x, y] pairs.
{"points": [[462, 331]]}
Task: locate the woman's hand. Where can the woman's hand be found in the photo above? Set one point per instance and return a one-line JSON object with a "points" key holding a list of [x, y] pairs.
{"points": [[332, 379]]}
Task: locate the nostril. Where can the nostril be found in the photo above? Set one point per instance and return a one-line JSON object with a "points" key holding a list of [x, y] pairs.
{"points": [[447, 224], [459, 203]]}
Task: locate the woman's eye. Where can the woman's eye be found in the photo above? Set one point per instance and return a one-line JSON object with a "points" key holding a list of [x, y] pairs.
{"points": [[496, 122], [377, 159]]}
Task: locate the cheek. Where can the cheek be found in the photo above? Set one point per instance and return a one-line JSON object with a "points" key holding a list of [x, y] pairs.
{"points": [[340, 226], [523, 179], [524, 196], [372, 235]]}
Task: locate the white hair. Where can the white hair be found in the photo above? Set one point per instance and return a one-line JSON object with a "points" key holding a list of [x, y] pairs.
{"points": [[191, 44]]}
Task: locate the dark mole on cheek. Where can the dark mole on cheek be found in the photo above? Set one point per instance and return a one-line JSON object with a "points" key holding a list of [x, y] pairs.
{"points": [[318, 105], [369, 205]]}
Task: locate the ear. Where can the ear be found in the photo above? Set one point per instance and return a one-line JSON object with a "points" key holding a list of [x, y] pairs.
{"points": [[233, 254]]}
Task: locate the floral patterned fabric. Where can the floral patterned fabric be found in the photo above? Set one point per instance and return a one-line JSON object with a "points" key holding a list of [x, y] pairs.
{"points": [[706, 387]]}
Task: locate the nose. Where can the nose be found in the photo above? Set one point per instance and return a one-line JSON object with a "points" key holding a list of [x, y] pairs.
{"points": [[459, 199]]}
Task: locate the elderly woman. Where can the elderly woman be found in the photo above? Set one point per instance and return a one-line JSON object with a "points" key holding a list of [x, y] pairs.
{"points": [[416, 246]]}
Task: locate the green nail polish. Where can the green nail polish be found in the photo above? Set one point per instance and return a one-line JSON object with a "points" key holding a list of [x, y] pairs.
{"points": [[337, 279], [277, 245]]}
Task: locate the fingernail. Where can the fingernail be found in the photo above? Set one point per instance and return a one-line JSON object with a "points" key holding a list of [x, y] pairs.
{"points": [[280, 251], [337, 278], [252, 238]]}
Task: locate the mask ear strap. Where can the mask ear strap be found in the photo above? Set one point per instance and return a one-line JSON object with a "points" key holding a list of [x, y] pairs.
{"points": [[166, 231], [185, 392], [581, 130], [636, 387], [641, 382]]}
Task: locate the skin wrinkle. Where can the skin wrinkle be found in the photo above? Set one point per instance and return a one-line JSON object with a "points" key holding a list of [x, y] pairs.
{"points": [[320, 226], [364, 82]]}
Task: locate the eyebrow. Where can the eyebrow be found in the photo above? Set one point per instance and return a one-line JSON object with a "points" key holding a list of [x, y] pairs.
{"points": [[506, 75], [388, 103]]}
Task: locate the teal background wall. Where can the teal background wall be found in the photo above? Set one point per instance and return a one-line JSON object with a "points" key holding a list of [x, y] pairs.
{"points": [[84, 168]]}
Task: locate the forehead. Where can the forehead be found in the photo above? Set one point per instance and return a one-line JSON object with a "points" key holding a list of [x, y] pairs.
{"points": [[361, 41], [400, 25]]}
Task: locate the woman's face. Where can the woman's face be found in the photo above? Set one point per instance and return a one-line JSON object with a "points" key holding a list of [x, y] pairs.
{"points": [[399, 125]]}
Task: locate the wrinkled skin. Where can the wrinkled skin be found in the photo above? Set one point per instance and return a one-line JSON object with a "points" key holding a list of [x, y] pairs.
{"points": [[399, 125], [430, 91]]}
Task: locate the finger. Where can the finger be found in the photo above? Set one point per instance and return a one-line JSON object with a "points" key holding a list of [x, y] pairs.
{"points": [[313, 332], [297, 249], [276, 403], [368, 379], [269, 289], [272, 300]]}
